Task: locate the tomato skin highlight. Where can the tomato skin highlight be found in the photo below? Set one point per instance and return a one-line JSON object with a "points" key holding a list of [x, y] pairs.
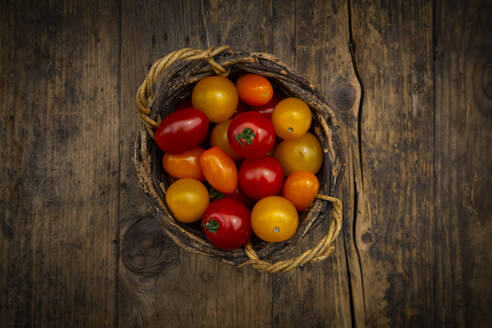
{"points": [[187, 199], [184, 165], [182, 130], [216, 96], [254, 89], [301, 154], [267, 110], [301, 188], [251, 135], [291, 118], [219, 169], [261, 177], [274, 219], [218, 137], [227, 223]]}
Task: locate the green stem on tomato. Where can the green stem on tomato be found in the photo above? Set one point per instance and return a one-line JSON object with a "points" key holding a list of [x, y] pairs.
{"points": [[212, 226], [247, 135]]}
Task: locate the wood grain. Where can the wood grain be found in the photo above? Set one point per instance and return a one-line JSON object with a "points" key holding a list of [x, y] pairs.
{"points": [[463, 125], [59, 163], [394, 228]]}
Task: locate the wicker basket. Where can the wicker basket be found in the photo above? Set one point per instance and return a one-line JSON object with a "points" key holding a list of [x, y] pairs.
{"points": [[171, 79]]}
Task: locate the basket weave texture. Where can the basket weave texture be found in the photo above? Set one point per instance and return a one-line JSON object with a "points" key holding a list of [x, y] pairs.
{"points": [[171, 79]]}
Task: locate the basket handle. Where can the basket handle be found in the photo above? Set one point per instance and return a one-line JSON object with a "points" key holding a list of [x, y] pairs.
{"points": [[145, 96], [318, 253]]}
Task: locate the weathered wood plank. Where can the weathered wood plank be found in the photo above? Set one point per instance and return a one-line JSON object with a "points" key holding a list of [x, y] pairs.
{"points": [[394, 228], [463, 135], [59, 175]]}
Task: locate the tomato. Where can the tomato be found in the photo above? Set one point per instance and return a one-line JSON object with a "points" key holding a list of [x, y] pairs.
{"points": [[301, 188], [219, 169], [184, 165], [254, 89], [267, 110], [218, 138], [227, 223], [183, 104], [301, 154], [251, 135], [216, 96], [261, 177], [274, 219], [291, 118], [187, 199], [182, 130]]}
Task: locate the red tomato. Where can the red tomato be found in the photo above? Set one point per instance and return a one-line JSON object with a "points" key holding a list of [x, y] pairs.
{"points": [[183, 104], [182, 130], [261, 177], [254, 89], [251, 135], [227, 223], [240, 196], [267, 110], [219, 169]]}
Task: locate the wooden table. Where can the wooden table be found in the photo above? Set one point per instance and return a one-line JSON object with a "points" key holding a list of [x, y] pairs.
{"points": [[411, 83]]}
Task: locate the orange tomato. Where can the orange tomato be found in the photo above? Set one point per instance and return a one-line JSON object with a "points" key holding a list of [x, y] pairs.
{"points": [[218, 138], [254, 89], [219, 169], [216, 96], [184, 165], [274, 219], [301, 188], [291, 118]]}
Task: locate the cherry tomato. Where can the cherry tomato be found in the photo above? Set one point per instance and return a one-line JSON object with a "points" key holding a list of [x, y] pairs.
{"points": [[236, 194], [218, 138], [291, 118], [183, 104], [227, 223], [301, 188], [184, 165], [267, 110], [274, 219], [216, 96], [219, 169], [301, 154], [261, 177], [181, 131], [187, 199], [254, 89], [251, 135]]}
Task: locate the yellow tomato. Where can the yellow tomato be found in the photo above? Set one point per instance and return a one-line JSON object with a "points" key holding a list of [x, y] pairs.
{"points": [[218, 138], [216, 96], [301, 154], [291, 118], [274, 219], [187, 199]]}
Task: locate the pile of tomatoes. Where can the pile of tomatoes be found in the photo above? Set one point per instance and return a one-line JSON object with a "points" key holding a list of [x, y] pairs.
{"points": [[255, 170]]}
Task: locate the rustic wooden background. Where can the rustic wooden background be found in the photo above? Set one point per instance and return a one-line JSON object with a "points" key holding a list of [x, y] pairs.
{"points": [[411, 82]]}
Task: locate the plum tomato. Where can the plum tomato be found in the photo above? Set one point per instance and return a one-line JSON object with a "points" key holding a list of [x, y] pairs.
{"points": [[291, 118], [216, 96], [274, 219], [219, 169], [218, 138], [267, 110], [184, 165], [181, 131], [187, 199], [251, 135], [261, 177], [227, 223], [301, 154], [254, 89], [301, 188]]}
